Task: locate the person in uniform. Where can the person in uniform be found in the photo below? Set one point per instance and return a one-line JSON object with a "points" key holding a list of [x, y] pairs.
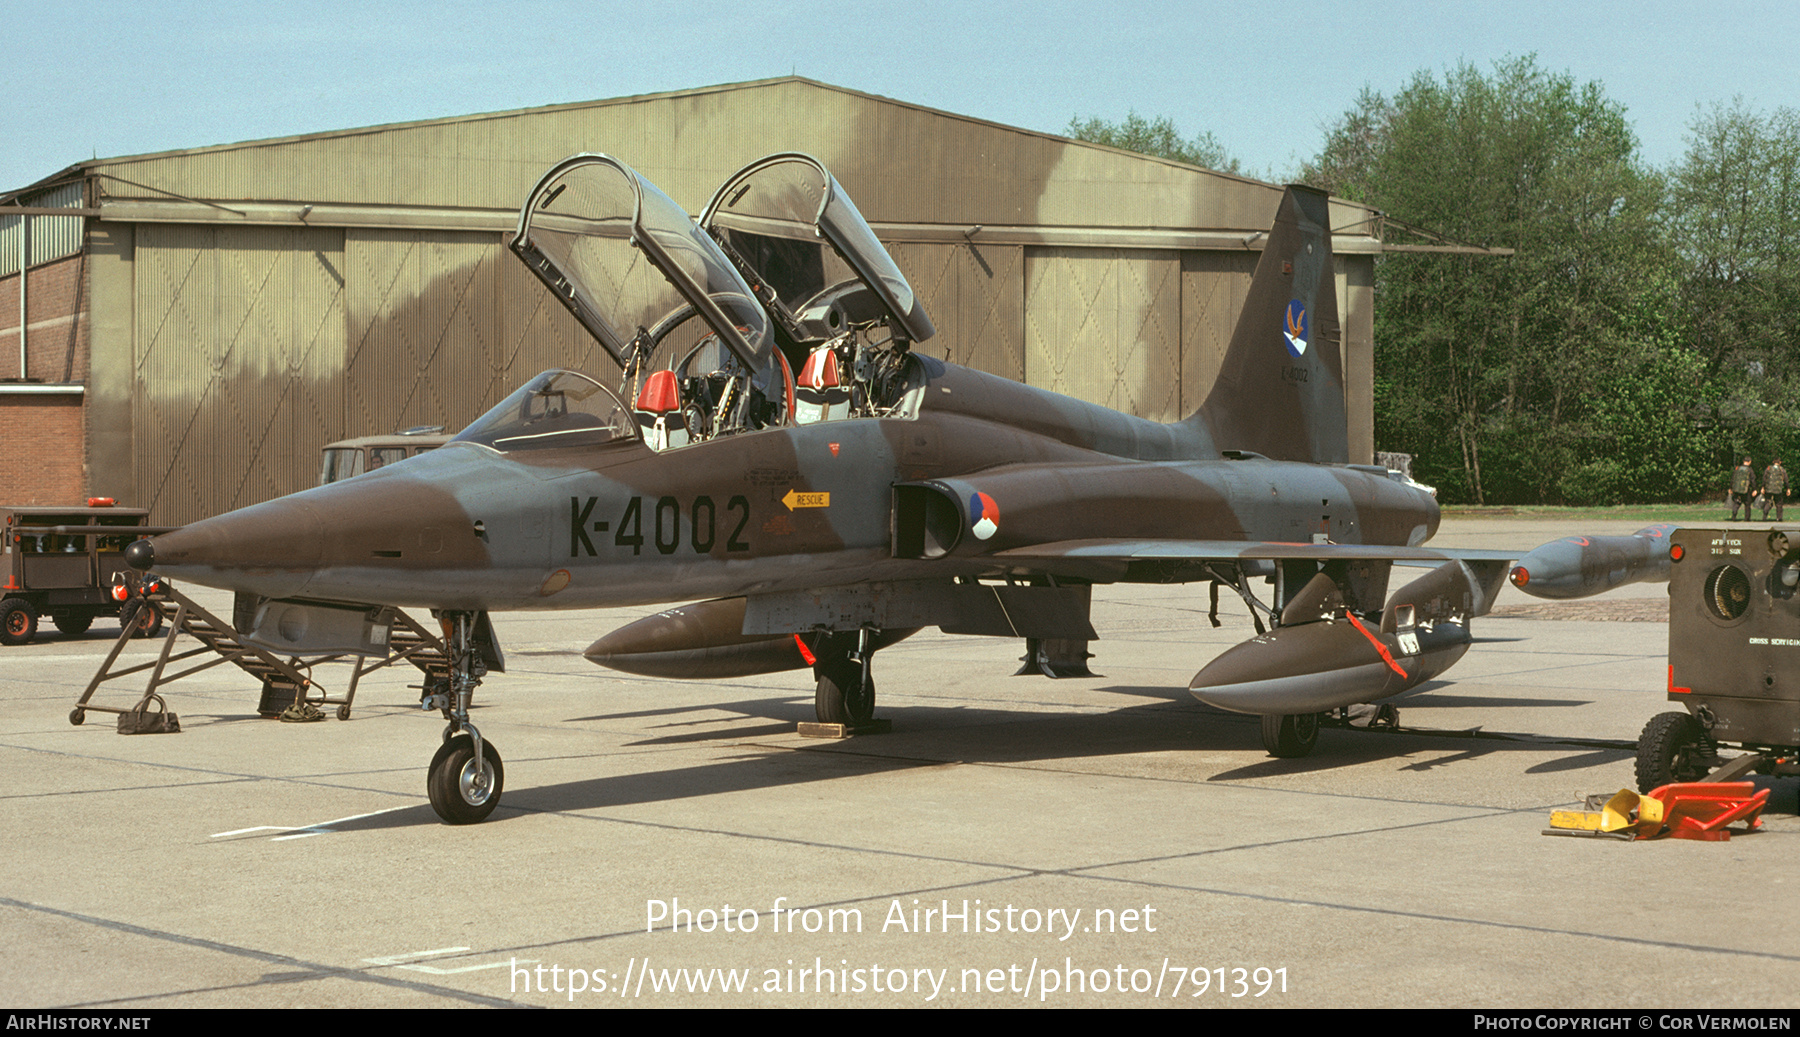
{"points": [[1743, 484], [1775, 489]]}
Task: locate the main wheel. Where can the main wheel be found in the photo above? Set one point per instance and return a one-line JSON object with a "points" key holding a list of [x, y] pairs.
{"points": [[842, 697], [460, 793], [1672, 749], [18, 621], [1292, 736], [73, 625]]}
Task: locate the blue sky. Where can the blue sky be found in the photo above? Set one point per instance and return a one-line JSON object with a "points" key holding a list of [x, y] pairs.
{"points": [[96, 77]]}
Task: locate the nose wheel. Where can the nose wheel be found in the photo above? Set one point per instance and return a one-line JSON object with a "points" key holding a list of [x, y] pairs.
{"points": [[464, 790]]}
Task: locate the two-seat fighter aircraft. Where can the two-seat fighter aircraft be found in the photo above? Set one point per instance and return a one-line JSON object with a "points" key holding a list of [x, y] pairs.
{"points": [[778, 448]]}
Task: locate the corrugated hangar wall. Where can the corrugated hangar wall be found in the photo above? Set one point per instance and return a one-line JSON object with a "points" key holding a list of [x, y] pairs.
{"points": [[255, 346], [232, 338]]}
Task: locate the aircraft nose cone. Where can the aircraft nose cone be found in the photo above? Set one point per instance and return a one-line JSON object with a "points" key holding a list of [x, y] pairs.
{"points": [[269, 549], [141, 555]]}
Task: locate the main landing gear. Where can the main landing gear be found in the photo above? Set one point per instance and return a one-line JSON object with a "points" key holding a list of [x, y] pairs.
{"points": [[466, 775], [1290, 737], [846, 689]]}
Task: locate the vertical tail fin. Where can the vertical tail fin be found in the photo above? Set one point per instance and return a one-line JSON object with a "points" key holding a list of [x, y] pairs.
{"points": [[1280, 391]]}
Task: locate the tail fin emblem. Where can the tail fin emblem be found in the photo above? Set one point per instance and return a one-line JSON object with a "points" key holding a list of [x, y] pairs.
{"points": [[1296, 328]]}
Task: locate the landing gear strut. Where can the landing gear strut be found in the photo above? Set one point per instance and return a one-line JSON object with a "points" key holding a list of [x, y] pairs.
{"points": [[846, 689], [466, 775]]}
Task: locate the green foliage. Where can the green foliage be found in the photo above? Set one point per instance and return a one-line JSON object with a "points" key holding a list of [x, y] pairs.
{"points": [[1641, 337], [1157, 137], [1734, 219], [1501, 373], [1648, 445]]}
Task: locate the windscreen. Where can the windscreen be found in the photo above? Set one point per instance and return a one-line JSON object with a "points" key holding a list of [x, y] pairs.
{"points": [[556, 409]]}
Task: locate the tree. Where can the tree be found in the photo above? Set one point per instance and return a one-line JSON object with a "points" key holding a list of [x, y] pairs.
{"points": [[1491, 370], [1734, 220], [1157, 137]]}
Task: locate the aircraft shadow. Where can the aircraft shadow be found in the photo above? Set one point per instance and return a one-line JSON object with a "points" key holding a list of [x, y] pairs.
{"points": [[1165, 722], [933, 736]]}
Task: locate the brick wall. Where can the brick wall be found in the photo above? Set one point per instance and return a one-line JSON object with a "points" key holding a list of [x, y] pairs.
{"points": [[42, 450], [56, 345], [43, 443]]}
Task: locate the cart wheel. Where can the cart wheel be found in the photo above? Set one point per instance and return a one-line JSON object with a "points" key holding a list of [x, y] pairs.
{"points": [[144, 618], [344, 712], [18, 621], [1671, 749], [77, 715]]}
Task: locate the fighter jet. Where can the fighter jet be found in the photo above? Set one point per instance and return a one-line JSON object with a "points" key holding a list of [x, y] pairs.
{"points": [[779, 447]]}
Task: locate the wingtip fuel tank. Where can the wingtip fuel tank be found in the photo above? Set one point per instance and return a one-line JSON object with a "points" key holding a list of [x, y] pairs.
{"points": [[1579, 566]]}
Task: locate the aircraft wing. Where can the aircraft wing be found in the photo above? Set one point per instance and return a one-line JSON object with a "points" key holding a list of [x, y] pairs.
{"points": [[1129, 550]]}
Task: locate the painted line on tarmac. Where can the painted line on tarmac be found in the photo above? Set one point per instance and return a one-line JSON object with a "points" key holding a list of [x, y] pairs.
{"points": [[309, 969], [410, 960], [304, 831]]}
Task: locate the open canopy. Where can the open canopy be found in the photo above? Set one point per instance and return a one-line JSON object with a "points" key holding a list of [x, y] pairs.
{"points": [[628, 262], [787, 218]]}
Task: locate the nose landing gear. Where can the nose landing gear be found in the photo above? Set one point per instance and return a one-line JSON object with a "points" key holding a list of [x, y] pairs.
{"points": [[466, 776]]}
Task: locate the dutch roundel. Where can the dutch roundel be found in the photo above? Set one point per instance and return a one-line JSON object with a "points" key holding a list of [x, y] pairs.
{"points": [[984, 516], [1295, 332]]}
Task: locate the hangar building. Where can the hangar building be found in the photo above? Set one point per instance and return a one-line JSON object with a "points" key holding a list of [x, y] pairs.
{"points": [[197, 324]]}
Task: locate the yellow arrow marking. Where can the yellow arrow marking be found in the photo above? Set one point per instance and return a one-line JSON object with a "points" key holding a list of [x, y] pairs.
{"points": [[796, 499]]}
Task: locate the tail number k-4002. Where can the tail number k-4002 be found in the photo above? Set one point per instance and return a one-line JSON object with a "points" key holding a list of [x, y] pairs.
{"points": [[665, 525]]}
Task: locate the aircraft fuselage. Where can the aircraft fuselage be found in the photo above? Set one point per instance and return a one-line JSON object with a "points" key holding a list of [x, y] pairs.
{"points": [[471, 527]]}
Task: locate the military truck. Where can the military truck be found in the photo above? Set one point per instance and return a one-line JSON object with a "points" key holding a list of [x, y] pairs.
{"points": [[348, 458], [1734, 657], [64, 563]]}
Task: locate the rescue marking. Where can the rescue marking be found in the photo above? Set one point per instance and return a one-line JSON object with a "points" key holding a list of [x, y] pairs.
{"points": [[796, 499]]}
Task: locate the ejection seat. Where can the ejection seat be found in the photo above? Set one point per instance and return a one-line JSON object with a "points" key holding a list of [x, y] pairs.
{"points": [[658, 411], [819, 392]]}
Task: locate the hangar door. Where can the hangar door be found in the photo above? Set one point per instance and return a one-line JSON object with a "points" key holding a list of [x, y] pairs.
{"points": [[238, 358], [975, 295], [1104, 325]]}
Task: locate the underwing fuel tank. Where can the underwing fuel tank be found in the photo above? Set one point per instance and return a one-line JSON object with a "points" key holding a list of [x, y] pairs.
{"points": [[1342, 660], [704, 641], [1575, 567]]}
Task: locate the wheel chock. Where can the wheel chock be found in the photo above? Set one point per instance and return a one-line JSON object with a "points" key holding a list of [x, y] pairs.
{"points": [[1688, 810], [1617, 818], [1701, 810]]}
